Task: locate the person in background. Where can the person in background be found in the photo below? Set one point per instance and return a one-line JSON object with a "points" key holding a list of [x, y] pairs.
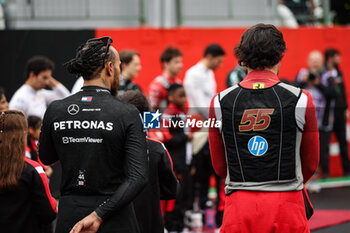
{"points": [[235, 76], [162, 185], [200, 87], [333, 74], [171, 60], [32, 98], [199, 82], [34, 125], [25, 198], [178, 144], [306, 76], [267, 147], [323, 94], [79, 83], [4, 105], [130, 66]]}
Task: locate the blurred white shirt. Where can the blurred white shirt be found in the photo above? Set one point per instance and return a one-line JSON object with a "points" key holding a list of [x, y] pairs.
{"points": [[34, 103], [77, 85], [200, 88]]}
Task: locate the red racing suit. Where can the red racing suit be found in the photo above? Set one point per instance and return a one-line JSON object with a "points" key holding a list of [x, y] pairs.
{"points": [[260, 207], [158, 90]]}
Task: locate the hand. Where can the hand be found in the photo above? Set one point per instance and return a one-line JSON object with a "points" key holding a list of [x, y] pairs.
{"points": [[53, 82], [190, 136], [193, 171], [305, 77], [89, 224], [48, 171]]}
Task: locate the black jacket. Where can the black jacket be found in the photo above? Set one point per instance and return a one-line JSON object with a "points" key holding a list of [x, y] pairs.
{"points": [[30, 206], [101, 146], [162, 185]]}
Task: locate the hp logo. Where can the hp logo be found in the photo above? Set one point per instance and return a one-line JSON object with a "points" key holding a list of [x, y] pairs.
{"points": [[258, 146]]}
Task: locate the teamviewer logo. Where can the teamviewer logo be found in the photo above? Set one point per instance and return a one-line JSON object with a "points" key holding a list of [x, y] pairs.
{"points": [[65, 140], [151, 120]]}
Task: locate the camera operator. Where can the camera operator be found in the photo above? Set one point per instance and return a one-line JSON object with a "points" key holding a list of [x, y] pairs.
{"points": [[324, 94]]}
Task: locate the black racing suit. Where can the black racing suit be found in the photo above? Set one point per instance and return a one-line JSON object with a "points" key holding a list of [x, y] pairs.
{"points": [[102, 148], [162, 185]]}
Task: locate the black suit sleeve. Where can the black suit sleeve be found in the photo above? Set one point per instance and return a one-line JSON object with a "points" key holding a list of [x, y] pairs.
{"points": [[46, 149], [136, 167], [168, 182]]}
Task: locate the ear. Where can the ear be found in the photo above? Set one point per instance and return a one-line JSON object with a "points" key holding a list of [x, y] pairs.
{"points": [[209, 57], [170, 98], [109, 68], [31, 74], [30, 130]]}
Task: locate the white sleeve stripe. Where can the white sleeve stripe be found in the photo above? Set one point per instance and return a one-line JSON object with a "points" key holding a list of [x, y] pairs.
{"points": [[300, 110], [39, 170], [217, 109]]}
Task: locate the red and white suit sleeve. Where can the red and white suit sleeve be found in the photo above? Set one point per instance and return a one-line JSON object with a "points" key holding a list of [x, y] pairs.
{"points": [[44, 204], [217, 149], [310, 149], [157, 92]]}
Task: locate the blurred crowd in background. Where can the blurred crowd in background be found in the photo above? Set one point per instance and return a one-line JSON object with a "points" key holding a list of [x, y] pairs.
{"points": [[201, 190]]}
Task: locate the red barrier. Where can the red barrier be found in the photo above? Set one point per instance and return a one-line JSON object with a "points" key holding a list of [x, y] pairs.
{"points": [[192, 41]]}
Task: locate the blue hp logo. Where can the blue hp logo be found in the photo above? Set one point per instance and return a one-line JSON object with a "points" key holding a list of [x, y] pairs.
{"points": [[258, 146], [151, 120]]}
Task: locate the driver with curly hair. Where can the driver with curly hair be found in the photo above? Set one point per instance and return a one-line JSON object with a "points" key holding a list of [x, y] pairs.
{"points": [[267, 146]]}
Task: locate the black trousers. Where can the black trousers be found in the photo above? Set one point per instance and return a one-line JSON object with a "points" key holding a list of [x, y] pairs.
{"points": [[324, 151], [74, 208], [204, 171], [174, 220], [340, 132]]}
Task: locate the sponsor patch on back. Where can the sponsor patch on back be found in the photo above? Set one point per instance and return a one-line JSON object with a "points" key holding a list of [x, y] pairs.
{"points": [[86, 98]]}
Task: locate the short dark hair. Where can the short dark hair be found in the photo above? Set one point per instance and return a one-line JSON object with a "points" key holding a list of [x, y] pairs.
{"points": [[215, 50], [34, 122], [261, 46], [89, 59], [137, 99], [37, 64], [169, 53], [2, 92], [173, 87], [330, 53], [127, 55]]}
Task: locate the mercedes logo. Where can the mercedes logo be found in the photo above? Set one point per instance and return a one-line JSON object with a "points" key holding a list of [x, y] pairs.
{"points": [[73, 109]]}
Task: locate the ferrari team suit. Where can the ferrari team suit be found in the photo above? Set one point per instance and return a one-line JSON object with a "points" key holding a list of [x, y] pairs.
{"points": [[162, 185], [158, 91], [102, 149], [267, 147]]}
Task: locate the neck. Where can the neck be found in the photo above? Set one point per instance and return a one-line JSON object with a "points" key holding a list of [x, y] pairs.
{"points": [[273, 69], [205, 62], [169, 74], [100, 82], [29, 82], [330, 65], [176, 106], [126, 75]]}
